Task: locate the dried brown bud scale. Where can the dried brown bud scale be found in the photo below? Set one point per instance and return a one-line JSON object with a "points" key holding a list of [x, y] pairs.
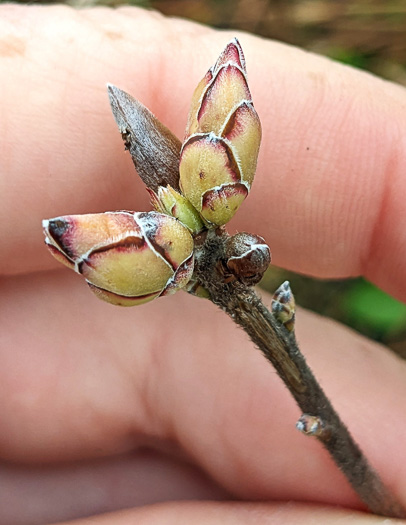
{"points": [[195, 288], [155, 150]]}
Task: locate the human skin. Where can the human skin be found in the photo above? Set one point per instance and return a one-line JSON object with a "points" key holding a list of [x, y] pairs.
{"points": [[106, 408]]}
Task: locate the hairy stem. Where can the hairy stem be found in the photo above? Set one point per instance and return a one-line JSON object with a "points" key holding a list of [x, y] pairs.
{"points": [[279, 347]]}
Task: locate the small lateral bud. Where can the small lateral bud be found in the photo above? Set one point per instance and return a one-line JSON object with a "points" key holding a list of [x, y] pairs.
{"points": [[247, 257], [283, 306], [313, 426], [167, 200]]}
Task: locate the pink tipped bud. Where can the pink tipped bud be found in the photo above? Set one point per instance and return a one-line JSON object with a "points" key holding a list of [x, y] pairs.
{"points": [[222, 140], [127, 258], [231, 53], [219, 92]]}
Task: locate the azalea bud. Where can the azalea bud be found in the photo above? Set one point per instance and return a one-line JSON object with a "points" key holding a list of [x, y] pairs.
{"points": [[219, 154], [283, 306], [126, 258], [248, 257], [169, 201]]}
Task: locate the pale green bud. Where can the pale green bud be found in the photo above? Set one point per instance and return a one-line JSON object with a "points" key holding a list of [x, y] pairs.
{"points": [[167, 200], [126, 258]]}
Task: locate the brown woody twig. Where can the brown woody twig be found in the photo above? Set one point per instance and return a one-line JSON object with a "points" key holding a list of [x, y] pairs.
{"points": [[155, 152]]}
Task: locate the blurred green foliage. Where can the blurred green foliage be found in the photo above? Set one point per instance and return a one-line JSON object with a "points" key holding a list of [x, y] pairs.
{"points": [[368, 308], [355, 302]]}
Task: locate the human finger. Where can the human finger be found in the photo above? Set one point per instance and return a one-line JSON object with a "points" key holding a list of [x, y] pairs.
{"points": [[232, 513], [328, 192], [84, 379], [59, 492]]}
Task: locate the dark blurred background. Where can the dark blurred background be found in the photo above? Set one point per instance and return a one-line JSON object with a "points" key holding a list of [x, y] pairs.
{"points": [[368, 34]]}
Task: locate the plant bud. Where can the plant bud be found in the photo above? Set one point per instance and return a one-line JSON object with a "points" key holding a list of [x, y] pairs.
{"points": [[126, 258], [219, 154], [283, 306], [169, 201], [153, 147], [248, 257], [314, 426]]}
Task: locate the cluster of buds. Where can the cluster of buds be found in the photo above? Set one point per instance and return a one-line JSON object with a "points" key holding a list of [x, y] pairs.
{"points": [[130, 258]]}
